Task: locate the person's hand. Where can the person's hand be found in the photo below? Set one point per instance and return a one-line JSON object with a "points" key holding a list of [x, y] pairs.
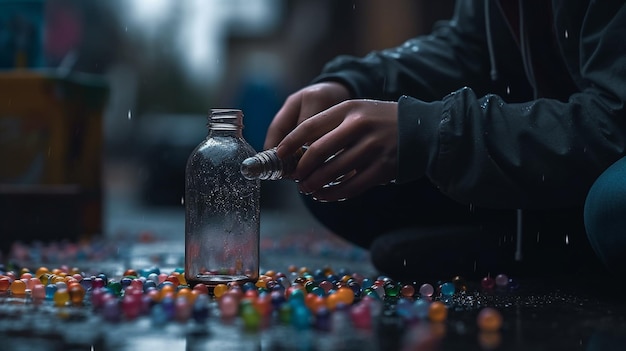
{"points": [[301, 105], [352, 147]]}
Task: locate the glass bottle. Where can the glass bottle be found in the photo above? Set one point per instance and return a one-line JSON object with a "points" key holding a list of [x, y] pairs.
{"points": [[222, 208], [266, 165]]}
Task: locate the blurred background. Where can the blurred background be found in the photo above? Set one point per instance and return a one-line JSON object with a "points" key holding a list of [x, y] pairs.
{"points": [[101, 102]]}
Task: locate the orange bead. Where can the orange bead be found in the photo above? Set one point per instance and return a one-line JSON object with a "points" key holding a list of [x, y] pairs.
{"points": [[201, 288], [346, 295], [437, 312], [489, 319], [332, 301], [131, 273], [173, 279], [314, 302], [77, 293], [186, 293], [18, 287]]}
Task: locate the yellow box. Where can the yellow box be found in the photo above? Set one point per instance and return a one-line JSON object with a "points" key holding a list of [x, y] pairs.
{"points": [[50, 155]]}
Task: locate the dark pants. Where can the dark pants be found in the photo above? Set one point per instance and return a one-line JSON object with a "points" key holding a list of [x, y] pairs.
{"points": [[553, 241]]}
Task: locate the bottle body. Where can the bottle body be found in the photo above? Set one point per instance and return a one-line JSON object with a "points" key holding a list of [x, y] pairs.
{"points": [[222, 208]]}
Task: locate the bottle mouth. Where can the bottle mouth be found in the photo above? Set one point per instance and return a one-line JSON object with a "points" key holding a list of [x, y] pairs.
{"points": [[225, 119]]}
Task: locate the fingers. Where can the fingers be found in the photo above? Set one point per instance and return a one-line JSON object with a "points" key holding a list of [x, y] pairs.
{"points": [[284, 122], [352, 185]]}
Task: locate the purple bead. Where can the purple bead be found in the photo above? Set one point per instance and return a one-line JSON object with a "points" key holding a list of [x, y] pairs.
{"points": [[502, 280], [111, 310], [426, 290]]}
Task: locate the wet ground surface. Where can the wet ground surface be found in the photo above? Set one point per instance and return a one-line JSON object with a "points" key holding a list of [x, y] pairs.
{"points": [[587, 313]]}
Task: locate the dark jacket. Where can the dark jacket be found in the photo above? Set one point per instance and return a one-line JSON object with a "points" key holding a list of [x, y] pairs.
{"points": [[506, 107]]}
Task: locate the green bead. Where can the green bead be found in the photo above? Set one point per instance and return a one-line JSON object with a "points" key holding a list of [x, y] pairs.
{"points": [[250, 317]]}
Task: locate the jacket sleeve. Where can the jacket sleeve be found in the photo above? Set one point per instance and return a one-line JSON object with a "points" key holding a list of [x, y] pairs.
{"points": [[426, 67], [543, 153]]}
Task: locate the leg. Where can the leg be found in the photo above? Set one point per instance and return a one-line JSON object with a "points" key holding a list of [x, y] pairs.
{"points": [[605, 216], [414, 231]]}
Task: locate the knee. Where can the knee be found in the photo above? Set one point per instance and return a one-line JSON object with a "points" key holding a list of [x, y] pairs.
{"points": [[605, 216]]}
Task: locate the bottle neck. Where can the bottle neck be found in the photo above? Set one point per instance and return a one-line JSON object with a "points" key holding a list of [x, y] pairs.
{"points": [[225, 122]]}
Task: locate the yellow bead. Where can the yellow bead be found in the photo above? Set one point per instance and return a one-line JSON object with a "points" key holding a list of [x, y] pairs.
{"points": [[61, 297], [219, 290], [41, 271]]}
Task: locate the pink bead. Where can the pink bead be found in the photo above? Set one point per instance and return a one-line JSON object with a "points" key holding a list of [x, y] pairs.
{"points": [[131, 306], [228, 306], [361, 315], [38, 291], [487, 283], [326, 285], [137, 284], [427, 290]]}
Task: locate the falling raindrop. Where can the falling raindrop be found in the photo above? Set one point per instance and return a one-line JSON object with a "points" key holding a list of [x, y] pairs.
{"points": [[49, 151], [182, 200], [130, 115], [419, 121], [471, 208], [508, 90], [566, 239], [543, 177], [566, 34], [405, 262], [537, 237], [126, 29]]}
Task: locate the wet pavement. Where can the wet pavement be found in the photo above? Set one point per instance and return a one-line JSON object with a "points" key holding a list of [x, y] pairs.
{"points": [[562, 314]]}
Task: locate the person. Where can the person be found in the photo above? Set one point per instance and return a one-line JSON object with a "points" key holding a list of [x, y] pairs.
{"points": [[470, 151]]}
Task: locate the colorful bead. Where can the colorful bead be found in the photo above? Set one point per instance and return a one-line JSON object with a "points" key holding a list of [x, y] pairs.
{"points": [[18, 287], [489, 319], [438, 311], [427, 290], [447, 289], [487, 283], [502, 280]]}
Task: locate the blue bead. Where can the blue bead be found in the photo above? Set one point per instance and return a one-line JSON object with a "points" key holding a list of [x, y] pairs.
{"points": [[248, 286], [201, 308], [158, 315], [300, 317], [50, 290], [447, 289], [420, 308]]}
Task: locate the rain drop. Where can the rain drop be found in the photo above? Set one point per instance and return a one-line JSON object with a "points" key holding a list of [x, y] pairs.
{"points": [[566, 34], [49, 151], [130, 115], [543, 177], [566, 239], [419, 121], [537, 237], [405, 262], [508, 90], [182, 200]]}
